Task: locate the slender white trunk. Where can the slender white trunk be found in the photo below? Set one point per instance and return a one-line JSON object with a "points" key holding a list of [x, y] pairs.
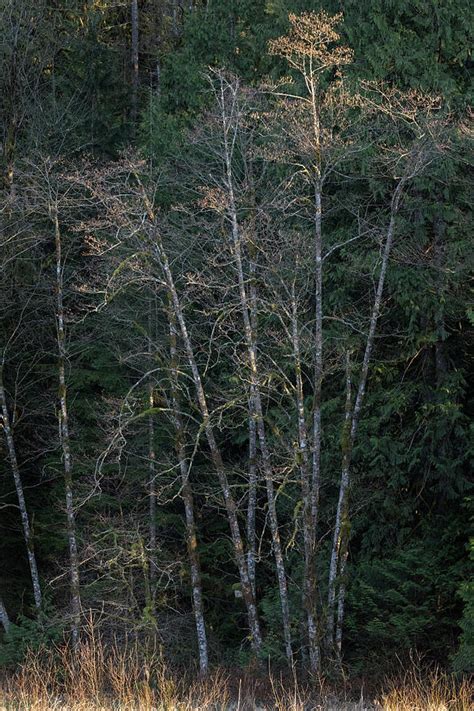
{"points": [[219, 465], [65, 438], [253, 471], [342, 524], [318, 313], [134, 58], [309, 573], [255, 392], [152, 542], [27, 533], [441, 362], [152, 493], [252, 494], [342, 550], [188, 500], [231, 507], [4, 619]]}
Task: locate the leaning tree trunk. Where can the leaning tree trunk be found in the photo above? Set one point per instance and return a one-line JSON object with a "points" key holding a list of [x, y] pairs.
{"points": [[342, 524], [27, 533], [231, 507], [188, 500], [65, 438]]}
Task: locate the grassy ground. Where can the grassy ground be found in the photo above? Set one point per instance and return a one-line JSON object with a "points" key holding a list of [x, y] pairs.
{"points": [[117, 679]]}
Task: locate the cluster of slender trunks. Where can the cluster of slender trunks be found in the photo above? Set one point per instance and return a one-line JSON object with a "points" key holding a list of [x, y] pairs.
{"points": [[323, 629]]}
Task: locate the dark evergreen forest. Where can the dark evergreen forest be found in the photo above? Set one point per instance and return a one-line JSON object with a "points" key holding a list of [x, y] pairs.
{"points": [[236, 331]]}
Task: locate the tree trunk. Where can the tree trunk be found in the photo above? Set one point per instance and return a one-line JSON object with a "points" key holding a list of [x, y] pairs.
{"points": [[188, 500], [343, 543], [253, 453], [441, 362], [219, 465], [4, 619], [231, 507], [27, 533], [65, 438], [318, 314], [309, 573], [152, 542], [252, 495], [134, 59], [342, 524], [256, 406]]}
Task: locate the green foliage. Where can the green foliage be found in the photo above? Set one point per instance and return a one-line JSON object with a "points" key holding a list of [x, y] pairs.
{"points": [[405, 600], [28, 634], [463, 660]]}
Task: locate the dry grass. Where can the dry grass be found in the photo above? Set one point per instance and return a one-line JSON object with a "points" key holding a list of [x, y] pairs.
{"points": [[113, 678], [428, 691]]}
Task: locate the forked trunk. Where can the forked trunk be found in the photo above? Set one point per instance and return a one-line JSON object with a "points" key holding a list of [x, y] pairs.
{"points": [[256, 405], [230, 505]]}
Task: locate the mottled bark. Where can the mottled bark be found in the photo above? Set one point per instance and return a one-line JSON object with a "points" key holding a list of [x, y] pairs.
{"points": [[253, 454], [4, 619], [318, 361], [231, 508], [342, 524], [25, 521], [64, 435], [312, 85], [188, 501], [152, 538], [309, 573], [134, 58], [343, 541], [230, 505], [441, 362], [252, 495], [255, 382]]}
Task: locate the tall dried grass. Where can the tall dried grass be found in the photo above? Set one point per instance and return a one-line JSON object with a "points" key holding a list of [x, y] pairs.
{"points": [[99, 677], [434, 690]]}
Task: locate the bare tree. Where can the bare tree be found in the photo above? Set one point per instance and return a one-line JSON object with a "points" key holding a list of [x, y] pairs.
{"points": [[409, 157], [127, 211], [311, 49], [229, 106]]}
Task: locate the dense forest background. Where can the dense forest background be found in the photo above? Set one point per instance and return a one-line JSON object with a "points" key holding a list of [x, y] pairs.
{"points": [[235, 251]]}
